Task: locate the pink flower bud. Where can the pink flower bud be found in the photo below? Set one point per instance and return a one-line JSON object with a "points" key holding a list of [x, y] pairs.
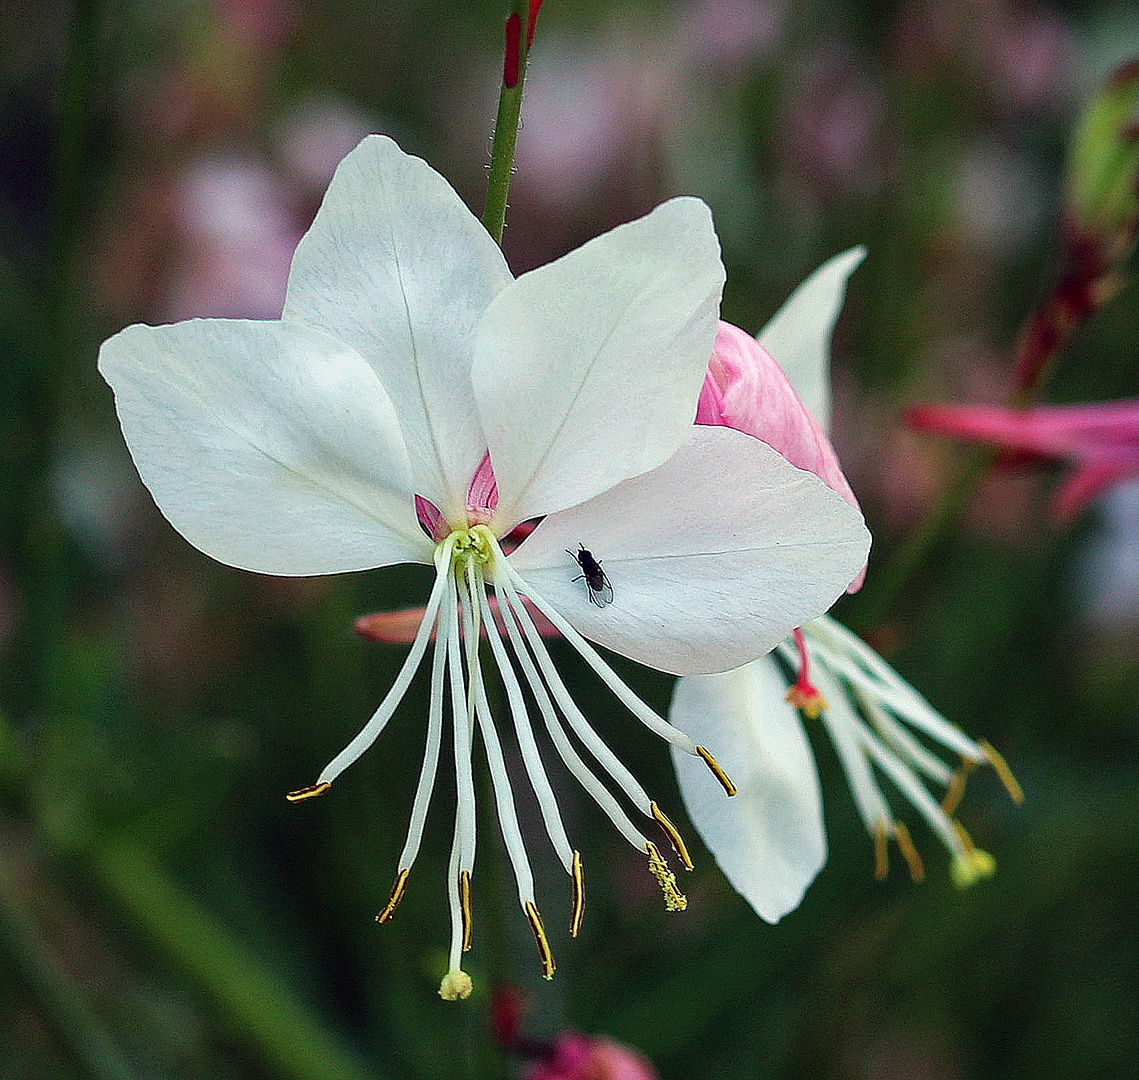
{"points": [[745, 389]]}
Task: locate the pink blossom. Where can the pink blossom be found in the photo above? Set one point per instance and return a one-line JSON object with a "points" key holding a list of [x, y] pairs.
{"points": [[746, 389], [1101, 440], [582, 1057]]}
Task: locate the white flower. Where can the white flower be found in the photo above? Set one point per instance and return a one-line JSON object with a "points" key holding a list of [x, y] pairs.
{"points": [[770, 840], [415, 403]]}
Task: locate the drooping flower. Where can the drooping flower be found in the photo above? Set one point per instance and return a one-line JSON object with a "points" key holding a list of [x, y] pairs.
{"points": [[416, 403], [770, 840], [1101, 440], [585, 1057]]}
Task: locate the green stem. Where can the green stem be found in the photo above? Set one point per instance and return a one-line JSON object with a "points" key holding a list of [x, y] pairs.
{"points": [[289, 1038], [506, 130]]}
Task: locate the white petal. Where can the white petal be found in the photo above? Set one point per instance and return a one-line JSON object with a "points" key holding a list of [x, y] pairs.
{"points": [[769, 838], [799, 334], [271, 448], [587, 370], [396, 266], [713, 558]]}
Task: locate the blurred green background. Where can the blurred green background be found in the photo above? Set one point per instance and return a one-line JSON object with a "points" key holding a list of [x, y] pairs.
{"points": [[167, 914]]}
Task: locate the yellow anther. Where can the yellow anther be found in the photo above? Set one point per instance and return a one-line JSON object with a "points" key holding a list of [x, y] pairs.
{"points": [[1016, 793], [956, 788], [465, 907], [717, 772], [307, 792], [671, 832], [396, 896], [456, 986], [578, 895], [909, 852], [881, 854], [674, 899], [548, 964]]}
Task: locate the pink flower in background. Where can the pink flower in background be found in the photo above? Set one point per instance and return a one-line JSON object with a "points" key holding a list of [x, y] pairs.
{"points": [[584, 1057], [1101, 440]]}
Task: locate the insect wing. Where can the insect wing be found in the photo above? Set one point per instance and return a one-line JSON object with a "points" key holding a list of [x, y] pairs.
{"points": [[600, 591]]}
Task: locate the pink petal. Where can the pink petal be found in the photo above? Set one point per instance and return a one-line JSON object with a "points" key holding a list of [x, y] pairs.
{"points": [[431, 519], [746, 389], [482, 495], [400, 627], [1058, 431]]}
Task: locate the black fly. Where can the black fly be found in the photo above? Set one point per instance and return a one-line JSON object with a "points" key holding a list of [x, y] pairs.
{"points": [[600, 591]]}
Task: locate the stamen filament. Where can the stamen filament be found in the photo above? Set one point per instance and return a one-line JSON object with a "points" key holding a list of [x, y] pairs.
{"points": [[369, 732], [500, 782], [527, 746], [430, 767], [575, 717], [913, 789], [673, 835], [634, 704], [902, 742], [513, 615], [578, 895], [461, 722]]}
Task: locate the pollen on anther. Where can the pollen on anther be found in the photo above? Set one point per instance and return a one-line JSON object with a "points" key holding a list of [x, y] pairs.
{"points": [[310, 792], [673, 835], [465, 907], [548, 964], [674, 899], [717, 772], [578, 895], [398, 890]]}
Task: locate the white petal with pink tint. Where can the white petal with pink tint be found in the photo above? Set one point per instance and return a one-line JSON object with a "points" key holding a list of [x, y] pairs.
{"points": [[713, 558], [397, 267]]}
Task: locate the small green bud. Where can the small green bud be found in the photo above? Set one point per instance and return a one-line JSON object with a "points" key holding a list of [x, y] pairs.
{"points": [[1102, 175]]}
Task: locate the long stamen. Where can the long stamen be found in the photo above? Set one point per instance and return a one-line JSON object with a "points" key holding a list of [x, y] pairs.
{"points": [[902, 742], [461, 723], [576, 718], [456, 983], [913, 789], [531, 758], [383, 714], [634, 704], [504, 802], [570, 757], [426, 785]]}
